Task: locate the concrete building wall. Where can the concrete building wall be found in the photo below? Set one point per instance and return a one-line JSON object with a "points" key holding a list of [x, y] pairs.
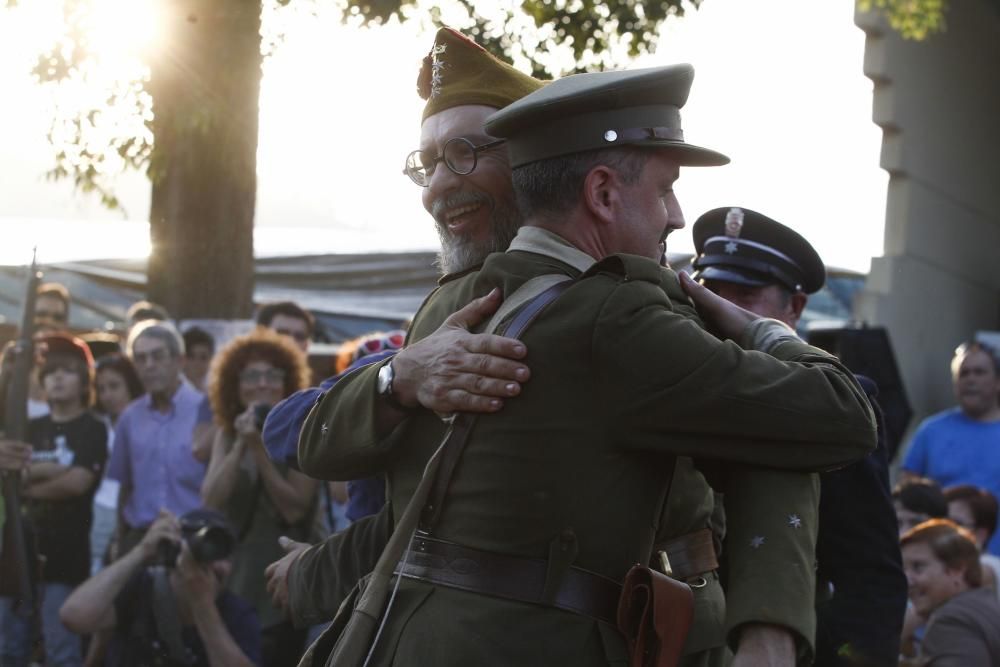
{"points": [[938, 103]]}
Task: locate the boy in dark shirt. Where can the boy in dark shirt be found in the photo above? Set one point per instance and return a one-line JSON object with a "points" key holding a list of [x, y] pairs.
{"points": [[68, 451]]}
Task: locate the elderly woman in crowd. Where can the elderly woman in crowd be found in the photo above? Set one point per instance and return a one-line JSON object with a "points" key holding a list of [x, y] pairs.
{"points": [[263, 500], [942, 567]]}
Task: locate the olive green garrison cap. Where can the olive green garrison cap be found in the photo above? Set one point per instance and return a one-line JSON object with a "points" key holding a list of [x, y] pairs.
{"points": [[585, 112], [457, 71]]}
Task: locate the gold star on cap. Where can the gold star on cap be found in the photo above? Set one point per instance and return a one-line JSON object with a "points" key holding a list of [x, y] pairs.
{"points": [[734, 222]]}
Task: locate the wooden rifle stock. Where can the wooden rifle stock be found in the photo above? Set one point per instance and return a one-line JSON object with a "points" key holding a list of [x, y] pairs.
{"points": [[16, 428]]}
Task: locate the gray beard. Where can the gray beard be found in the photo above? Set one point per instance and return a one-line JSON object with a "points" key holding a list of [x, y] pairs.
{"points": [[458, 253]]}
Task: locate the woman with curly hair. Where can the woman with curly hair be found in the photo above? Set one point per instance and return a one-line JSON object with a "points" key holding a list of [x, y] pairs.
{"points": [[263, 500]]}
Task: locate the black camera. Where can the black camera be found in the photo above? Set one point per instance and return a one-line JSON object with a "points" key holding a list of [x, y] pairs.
{"points": [[207, 534]]}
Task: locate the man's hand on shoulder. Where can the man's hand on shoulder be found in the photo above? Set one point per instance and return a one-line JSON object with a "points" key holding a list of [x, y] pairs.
{"points": [[723, 318], [455, 370]]}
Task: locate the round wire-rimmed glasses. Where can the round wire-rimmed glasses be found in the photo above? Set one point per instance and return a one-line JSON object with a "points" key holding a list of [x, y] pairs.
{"points": [[460, 156]]}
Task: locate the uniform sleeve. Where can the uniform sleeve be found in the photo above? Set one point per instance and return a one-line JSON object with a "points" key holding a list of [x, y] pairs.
{"points": [[284, 423], [864, 615], [772, 518], [339, 439], [324, 575], [283, 427], [119, 467], [796, 408]]}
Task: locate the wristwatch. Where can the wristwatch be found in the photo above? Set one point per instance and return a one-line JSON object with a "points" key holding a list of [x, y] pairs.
{"points": [[383, 387]]}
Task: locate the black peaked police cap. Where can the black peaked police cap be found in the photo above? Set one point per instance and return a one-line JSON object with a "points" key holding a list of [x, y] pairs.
{"points": [[741, 246]]}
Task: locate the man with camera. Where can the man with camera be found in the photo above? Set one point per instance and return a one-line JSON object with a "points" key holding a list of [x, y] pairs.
{"points": [[165, 599]]}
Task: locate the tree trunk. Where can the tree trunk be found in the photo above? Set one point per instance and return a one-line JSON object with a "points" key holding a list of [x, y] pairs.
{"points": [[205, 85]]}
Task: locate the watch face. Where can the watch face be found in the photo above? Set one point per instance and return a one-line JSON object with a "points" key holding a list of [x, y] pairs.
{"points": [[384, 384]]}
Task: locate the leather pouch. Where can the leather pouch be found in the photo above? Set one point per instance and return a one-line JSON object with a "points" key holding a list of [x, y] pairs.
{"points": [[654, 614]]}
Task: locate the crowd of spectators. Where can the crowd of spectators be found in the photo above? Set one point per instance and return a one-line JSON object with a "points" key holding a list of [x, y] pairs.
{"points": [[130, 457], [946, 505], [129, 460]]}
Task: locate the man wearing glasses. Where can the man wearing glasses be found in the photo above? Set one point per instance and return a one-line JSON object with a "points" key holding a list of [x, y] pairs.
{"points": [[465, 175], [153, 457]]}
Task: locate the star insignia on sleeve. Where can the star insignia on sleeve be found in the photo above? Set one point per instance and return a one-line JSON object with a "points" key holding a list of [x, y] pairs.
{"points": [[794, 521], [323, 429], [757, 542], [731, 248]]}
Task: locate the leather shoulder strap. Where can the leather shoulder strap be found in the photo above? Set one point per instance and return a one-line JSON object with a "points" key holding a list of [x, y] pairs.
{"points": [[525, 293], [373, 605], [532, 298]]}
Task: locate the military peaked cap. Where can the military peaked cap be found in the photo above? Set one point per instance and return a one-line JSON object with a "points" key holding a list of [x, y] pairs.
{"points": [[738, 245], [585, 112], [457, 71]]}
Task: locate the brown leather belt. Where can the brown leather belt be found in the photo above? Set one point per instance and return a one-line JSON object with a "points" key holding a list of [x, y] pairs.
{"points": [[509, 577], [691, 555]]}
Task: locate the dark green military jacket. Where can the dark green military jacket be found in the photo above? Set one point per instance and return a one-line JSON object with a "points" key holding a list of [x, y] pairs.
{"points": [[623, 377], [768, 583]]}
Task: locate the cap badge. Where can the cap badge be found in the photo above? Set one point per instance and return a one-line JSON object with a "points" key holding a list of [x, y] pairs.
{"points": [[734, 222], [437, 65], [732, 247]]}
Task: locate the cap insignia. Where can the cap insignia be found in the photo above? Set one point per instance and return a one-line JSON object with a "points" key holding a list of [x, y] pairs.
{"points": [[437, 65], [734, 223], [732, 247]]}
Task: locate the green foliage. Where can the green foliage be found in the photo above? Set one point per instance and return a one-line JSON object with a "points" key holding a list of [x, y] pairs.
{"points": [[103, 124], [913, 19], [102, 119]]}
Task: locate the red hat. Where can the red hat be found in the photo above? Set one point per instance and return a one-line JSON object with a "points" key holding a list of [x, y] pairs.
{"points": [[62, 344]]}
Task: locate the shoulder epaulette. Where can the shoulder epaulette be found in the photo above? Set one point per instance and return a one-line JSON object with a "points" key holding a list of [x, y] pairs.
{"points": [[629, 267], [448, 277]]}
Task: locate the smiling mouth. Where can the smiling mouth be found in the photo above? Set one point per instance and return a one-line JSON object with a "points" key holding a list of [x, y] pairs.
{"points": [[457, 217]]}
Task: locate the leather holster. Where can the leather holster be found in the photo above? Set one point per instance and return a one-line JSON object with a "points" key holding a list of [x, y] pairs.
{"points": [[654, 614]]}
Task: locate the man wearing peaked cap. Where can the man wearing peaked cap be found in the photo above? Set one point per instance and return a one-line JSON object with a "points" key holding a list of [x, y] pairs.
{"points": [[573, 473], [467, 75], [737, 245], [769, 269], [587, 112]]}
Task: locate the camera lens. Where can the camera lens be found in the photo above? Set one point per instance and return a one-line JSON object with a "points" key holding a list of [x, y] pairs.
{"points": [[210, 543]]}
